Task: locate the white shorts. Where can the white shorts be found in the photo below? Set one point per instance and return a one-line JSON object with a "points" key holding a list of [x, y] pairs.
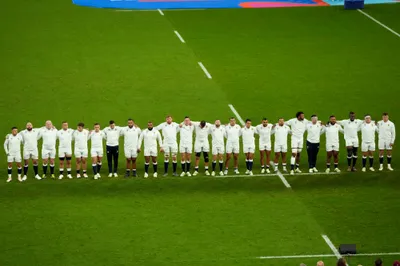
{"points": [[332, 146], [218, 150], [34, 154], [367, 146], [201, 147], [64, 152], [297, 144], [150, 152], [96, 152], [280, 148], [81, 153], [48, 153], [351, 142], [384, 144], [232, 147], [130, 153], [248, 149], [183, 148], [170, 149], [16, 157], [265, 147]]}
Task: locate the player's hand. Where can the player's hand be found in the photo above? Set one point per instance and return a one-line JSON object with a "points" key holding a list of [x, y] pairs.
{"points": [[138, 150], [391, 145], [180, 125], [161, 150]]}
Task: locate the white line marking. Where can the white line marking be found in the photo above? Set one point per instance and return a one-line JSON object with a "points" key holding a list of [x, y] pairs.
{"points": [[125, 10], [236, 114], [188, 9], [205, 70], [327, 255], [283, 179], [161, 13], [380, 23], [332, 246], [179, 36]]}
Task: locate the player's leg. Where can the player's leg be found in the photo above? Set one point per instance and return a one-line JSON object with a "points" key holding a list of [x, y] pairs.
{"points": [[134, 165], [146, 166], [45, 161], [246, 155], [183, 163], [336, 160], [262, 153], [206, 162], [154, 161], [349, 157], [94, 165], [293, 159], [328, 159], [52, 161], [364, 151], [371, 158], [78, 165], [250, 158], [310, 155], [26, 167], [284, 160], [115, 156], [267, 160], [214, 160], [35, 164], [84, 166], [61, 159], [389, 158], [9, 168], [109, 160], [236, 162], [355, 154], [196, 162], [276, 160], [19, 167], [188, 161], [99, 162], [167, 151], [128, 166], [381, 154]]}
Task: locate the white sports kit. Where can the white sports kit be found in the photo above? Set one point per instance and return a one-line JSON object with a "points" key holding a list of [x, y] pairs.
{"points": [[150, 139], [351, 129], [49, 137], [248, 139], [131, 137], [332, 136], [232, 134], [387, 135], [186, 141], [368, 136], [201, 143], [81, 138], [64, 137], [217, 142], [281, 133], [298, 127], [12, 147], [30, 138], [169, 132], [265, 133], [96, 149]]}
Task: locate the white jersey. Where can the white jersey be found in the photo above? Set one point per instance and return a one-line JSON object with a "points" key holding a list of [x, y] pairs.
{"points": [[12, 144], [97, 139], [350, 127], [112, 136], [186, 133], [150, 138], [314, 132], [80, 138], [387, 131], [264, 133], [217, 135], [49, 137], [281, 133], [65, 138], [232, 133], [131, 137], [297, 127], [248, 136], [332, 133], [368, 132], [169, 132], [202, 133], [30, 139]]}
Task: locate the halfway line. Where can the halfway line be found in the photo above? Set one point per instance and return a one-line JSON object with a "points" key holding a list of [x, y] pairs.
{"points": [[179, 36], [159, 10], [241, 121], [378, 22], [205, 70], [283, 179]]}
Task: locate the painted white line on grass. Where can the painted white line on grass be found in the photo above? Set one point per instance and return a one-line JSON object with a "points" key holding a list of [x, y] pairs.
{"points": [[126, 10], [327, 255], [179, 36], [161, 13], [205, 70], [378, 22], [283, 179], [241, 121], [332, 246], [188, 9]]}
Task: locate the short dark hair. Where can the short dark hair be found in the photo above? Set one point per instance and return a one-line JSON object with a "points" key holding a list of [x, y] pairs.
{"points": [[14, 128], [367, 115], [264, 118], [202, 123], [63, 122], [299, 113], [385, 113], [232, 117], [80, 124], [312, 116], [352, 113], [187, 117], [248, 120], [112, 122], [96, 124], [331, 116], [168, 116], [130, 119], [378, 262], [341, 262], [149, 121]]}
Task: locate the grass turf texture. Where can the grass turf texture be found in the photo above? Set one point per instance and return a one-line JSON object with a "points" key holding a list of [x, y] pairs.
{"points": [[63, 62]]}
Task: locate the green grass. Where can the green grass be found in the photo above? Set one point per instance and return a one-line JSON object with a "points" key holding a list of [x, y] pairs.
{"points": [[63, 62]]}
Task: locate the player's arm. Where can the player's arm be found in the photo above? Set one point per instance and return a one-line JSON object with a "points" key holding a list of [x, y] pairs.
{"points": [[160, 142], [6, 145], [323, 130], [39, 135], [159, 127], [341, 129], [139, 145], [393, 135], [289, 122]]}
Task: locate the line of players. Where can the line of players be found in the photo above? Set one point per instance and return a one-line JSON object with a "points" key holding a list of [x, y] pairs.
{"points": [[153, 142]]}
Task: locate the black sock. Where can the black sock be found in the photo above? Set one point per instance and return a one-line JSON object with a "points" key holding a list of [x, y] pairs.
{"points": [[297, 166], [36, 169], [52, 169], [94, 167], [98, 167], [128, 172], [174, 166], [381, 160], [9, 171], [78, 172], [328, 165], [354, 160], [155, 167], [364, 161], [187, 166], [221, 166], [25, 170], [267, 166], [146, 167], [166, 164], [389, 159], [196, 168], [19, 171], [213, 165], [183, 166], [336, 165], [371, 161], [247, 165], [250, 165], [349, 161], [292, 167], [45, 169], [84, 171], [61, 171]]}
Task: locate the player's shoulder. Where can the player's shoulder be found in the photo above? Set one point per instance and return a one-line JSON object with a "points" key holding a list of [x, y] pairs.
{"points": [[8, 136]]}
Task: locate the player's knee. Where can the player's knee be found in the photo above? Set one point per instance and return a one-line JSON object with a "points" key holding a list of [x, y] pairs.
{"points": [[205, 155], [68, 158], [61, 159], [355, 152], [349, 153], [198, 154]]}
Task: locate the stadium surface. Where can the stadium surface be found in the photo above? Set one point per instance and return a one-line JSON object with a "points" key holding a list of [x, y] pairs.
{"points": [[61, 62]]}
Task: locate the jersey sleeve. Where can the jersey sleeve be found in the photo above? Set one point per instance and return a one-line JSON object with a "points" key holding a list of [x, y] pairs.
{"points": [[6, 144], [341, 129], [140, 140], [393, 134], [290, 122], [159, 127], [159, 139]]}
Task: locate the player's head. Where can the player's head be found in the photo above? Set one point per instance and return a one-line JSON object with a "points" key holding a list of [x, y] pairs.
{"points": [[341, 262], [80, 126], [150, 125], [49, 124], [385, 117], [217, 123], [378, 262], [320, 263], [168, 119], [367, 118], [232, 121], [131, 123], [202, 123], [264, 122], [352, 116], [29, 126], [332, 119], [14, 131], [186, 121], [314, 119], [96, 127], [248, 123], [300, 116], [281, 121], [112, 123], [64, 125]]}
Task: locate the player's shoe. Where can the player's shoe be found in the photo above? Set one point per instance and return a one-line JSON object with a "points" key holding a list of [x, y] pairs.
{"points": [[38, 177], [95, 177], [85, 175], [354, 169], [276, 169], [43, 176], [146, 175], [221, 173], [267, 171], [115, 175], [311, 171], [183, 174], [236, 171], [291, 172], [247, 172], [250, 173], [19, 178], [262, 171], [337, 170], [381, 167], [110, 175], [127, 174], [165, 175], [24, 178], [195, 173], [213, 173], [188, 173], [69, 176], [327, 170], [175, 174], [78, 176], [372, 169], [207, 173], [349, 169], [297, 170], [315, 170], [9, 179], [155, 175], [284, 169], [134, 174], [364, 169], [53, 176], [389, 167], [226, 172], [98, 175], [60, 177]]}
